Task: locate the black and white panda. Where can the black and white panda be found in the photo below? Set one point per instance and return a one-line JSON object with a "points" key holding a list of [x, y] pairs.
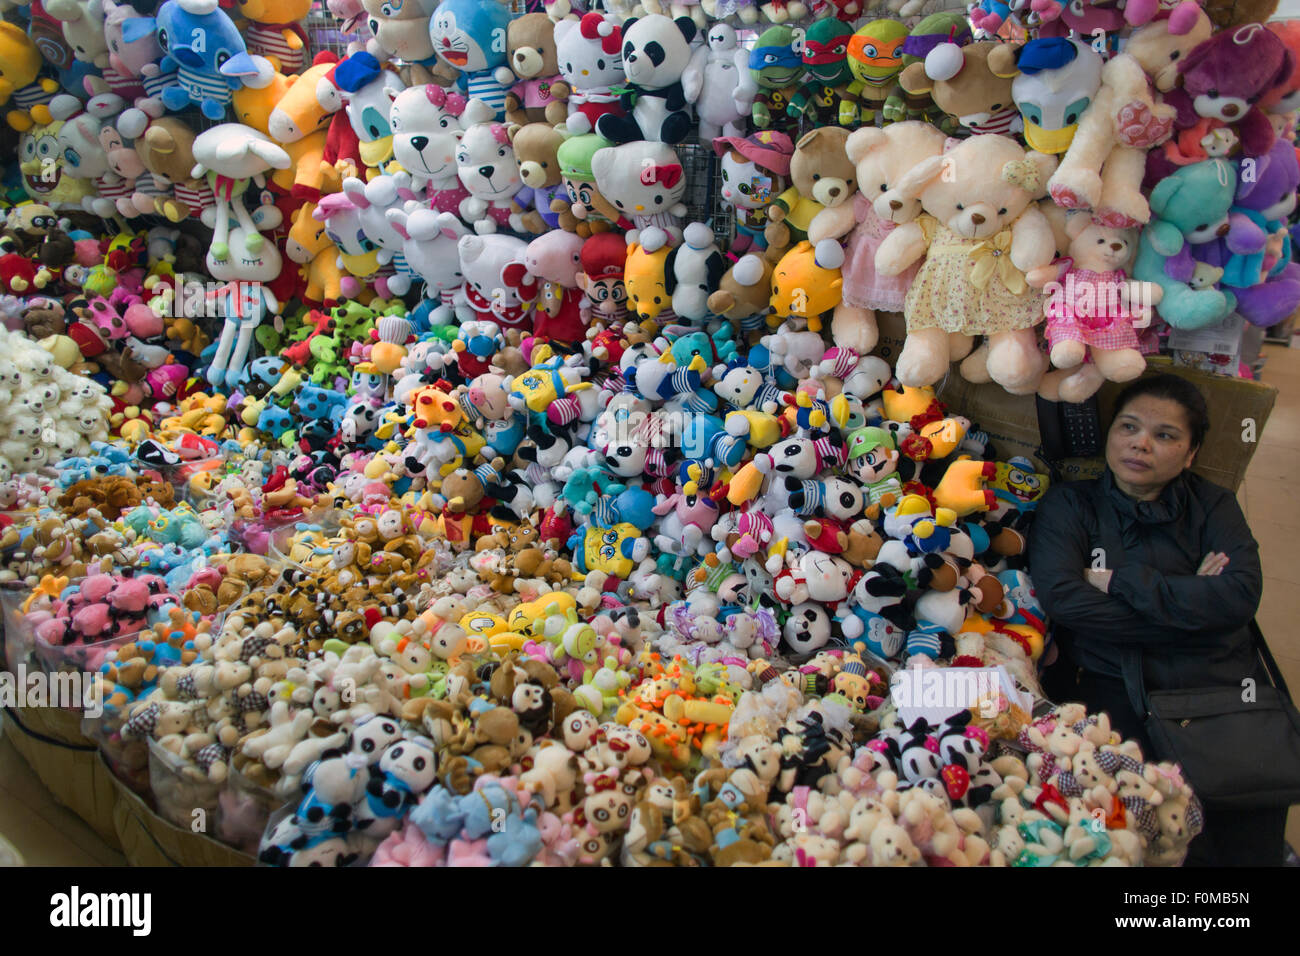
{"points": [[656, 54]]}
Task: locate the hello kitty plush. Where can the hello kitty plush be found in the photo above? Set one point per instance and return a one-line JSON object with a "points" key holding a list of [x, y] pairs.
{"points": [[646, 182], [882, 156], [487, 297], [428, 123], [1092, 309], [485, 162], [755, 170], [590, 57], [981, 233]]}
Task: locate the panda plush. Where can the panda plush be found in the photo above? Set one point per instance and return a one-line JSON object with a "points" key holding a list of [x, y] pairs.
{"points": [[664, 75]]}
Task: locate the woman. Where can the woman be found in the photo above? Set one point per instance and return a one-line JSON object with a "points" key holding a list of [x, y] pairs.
{"points": [[1154, 557]]}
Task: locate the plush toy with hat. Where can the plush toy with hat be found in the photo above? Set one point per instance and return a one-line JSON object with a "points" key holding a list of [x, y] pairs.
{"points": [[1055, 79], [593, 211], [602, 260], [755, 170]]}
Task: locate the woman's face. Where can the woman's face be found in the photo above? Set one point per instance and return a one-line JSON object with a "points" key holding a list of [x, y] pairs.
{"points": [[1149, 445]]}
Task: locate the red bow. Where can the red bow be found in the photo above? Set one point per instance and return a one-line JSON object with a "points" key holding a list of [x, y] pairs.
{"points": [[604, 783], [1050, 795], [663, 175]]}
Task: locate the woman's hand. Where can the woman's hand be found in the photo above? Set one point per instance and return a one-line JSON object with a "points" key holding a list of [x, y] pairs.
{"points": [[1100, 579], [1213, 563]]}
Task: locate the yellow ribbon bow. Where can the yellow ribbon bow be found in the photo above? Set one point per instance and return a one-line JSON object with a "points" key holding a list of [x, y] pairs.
{"points": [[991, 256]]}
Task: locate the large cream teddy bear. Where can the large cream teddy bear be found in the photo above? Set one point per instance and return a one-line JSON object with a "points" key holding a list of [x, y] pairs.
{"points": [[882, 157], [1104, 166], [981, 231]]}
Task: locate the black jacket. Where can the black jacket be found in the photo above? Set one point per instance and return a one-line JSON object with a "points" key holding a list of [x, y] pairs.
{"points": [[1193, 630]]}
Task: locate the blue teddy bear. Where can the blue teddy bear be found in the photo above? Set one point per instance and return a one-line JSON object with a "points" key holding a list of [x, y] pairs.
{"points": [[1188, 208]]}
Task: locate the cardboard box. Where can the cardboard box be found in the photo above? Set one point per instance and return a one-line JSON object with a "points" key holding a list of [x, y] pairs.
{"points": [[149, 840], [1239, 409], [50, 740]]}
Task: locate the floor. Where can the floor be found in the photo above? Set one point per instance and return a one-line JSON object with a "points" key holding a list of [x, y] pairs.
{"points": [[45, 833]]}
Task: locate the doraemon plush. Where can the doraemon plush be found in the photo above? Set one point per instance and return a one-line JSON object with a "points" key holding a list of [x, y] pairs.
{"points": [[1188, 208], [204, 48], [470, 37], [1056, 79], [646, 182], [663, 78]]}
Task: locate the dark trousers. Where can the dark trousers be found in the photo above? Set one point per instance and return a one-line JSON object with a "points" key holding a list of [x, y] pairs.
{"points": [[1231, 837]]}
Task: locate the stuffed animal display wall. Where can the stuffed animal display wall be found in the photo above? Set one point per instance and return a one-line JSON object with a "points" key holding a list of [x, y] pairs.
{"points": [[477, 430]]}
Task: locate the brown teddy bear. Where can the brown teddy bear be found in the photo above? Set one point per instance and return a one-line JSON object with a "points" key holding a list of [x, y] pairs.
{"points": [[536, 147], [167, 151], [44, 317], [540, 96], [964, 86], [822, 177], [745, 290]]}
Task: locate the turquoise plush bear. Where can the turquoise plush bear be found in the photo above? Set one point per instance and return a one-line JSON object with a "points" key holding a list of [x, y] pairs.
{"points": [[1188, 208]]}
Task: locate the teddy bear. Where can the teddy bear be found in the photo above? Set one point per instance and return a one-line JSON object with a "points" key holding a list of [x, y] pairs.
{"points": [[1190, 210], [980, 233], [540, 95], [881, 157], [1104, 166], [1092, 309], [1222, 79], [543, 197], [961, 83], [664, 76], [821, 176]]}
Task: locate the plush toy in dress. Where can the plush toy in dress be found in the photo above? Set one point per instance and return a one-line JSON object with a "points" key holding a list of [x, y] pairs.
{"points": [[1092, 310], [980, 233], [882, 156]]}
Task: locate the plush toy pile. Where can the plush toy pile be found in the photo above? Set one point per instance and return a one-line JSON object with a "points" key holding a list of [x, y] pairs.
{"points": [[473, 435]]}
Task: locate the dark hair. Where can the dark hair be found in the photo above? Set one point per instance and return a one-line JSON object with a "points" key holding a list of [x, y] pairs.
{"points": [[1177, 390]]}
